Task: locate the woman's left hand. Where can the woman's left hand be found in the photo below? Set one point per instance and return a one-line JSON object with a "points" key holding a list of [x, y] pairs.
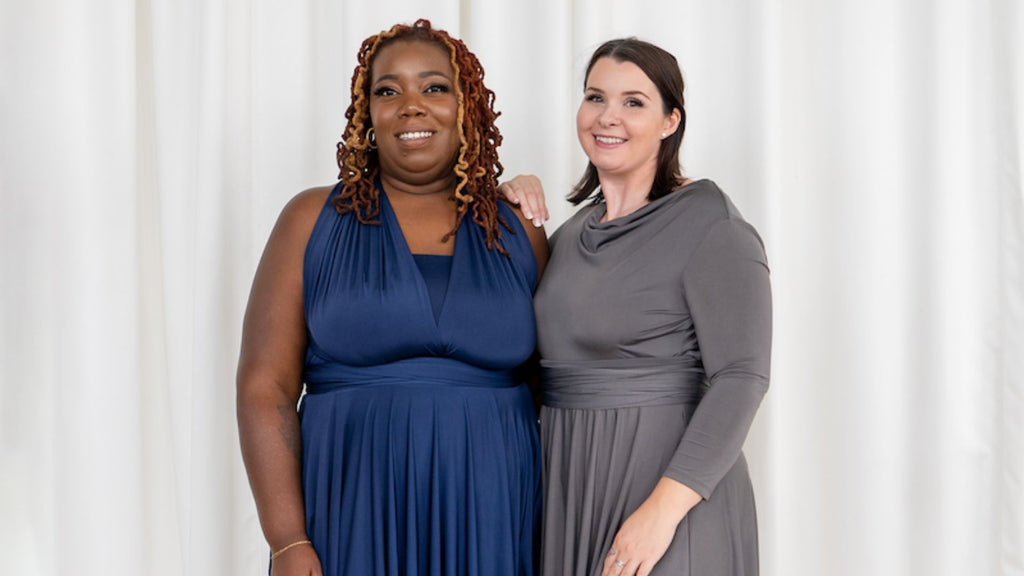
{"points": [[646, 534], [527, 192]]}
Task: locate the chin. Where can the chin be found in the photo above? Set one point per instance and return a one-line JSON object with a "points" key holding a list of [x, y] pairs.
{"points": [[606, 167]]}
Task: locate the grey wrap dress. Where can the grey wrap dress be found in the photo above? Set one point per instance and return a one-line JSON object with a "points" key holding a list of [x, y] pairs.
{"points": [[654, 331]]}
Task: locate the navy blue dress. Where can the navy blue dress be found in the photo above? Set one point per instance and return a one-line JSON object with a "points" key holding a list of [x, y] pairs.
{"points": [[420, 443]]}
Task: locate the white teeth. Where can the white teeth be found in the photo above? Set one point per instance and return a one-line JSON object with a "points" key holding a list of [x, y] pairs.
{"points": [[609, 140], [414, 135]]}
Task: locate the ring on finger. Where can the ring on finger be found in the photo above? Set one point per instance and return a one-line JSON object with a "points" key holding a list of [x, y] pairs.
{"points": [[620, 563]]}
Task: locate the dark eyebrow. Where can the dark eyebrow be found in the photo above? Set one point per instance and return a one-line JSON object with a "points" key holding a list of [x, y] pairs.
{"points": [[627, 93], [424, 74]]}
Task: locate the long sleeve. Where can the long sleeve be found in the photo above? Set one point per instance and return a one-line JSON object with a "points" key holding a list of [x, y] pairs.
{"points": [[727, 289]]}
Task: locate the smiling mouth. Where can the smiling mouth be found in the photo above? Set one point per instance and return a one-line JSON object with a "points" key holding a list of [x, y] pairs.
{"points": [[609, 140], [414, 135]]}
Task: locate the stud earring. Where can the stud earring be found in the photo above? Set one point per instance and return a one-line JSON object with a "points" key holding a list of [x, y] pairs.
{"points": [[371, 138]]}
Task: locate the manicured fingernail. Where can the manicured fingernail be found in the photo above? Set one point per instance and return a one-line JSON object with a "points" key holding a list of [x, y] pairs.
{"points": [[538, 222]]}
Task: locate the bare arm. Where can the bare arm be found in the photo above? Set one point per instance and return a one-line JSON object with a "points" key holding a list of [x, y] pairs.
{"points": [[541, 252], [527, 193], [539, 243], [269, 382]]}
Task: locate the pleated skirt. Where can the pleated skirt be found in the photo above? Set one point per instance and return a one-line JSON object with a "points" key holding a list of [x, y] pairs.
{"points": [[421, 478], [601, 464]]}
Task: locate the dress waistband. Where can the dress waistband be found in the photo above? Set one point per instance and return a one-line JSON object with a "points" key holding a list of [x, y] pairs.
{"points": [[428, 370], [621, 383]]}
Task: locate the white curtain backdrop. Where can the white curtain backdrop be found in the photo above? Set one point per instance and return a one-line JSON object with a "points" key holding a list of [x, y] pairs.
{"points": [[147, 146]]}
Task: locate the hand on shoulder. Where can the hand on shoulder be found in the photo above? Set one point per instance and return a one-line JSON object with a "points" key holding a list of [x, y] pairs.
{"points": [[527, 192]]}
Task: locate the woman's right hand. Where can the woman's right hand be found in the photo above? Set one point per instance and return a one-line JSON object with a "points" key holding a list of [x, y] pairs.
{"points": [[527, 192], [299, 561]]}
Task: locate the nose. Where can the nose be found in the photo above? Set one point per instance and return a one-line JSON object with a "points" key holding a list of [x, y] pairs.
{"points": [[609, 116], [412, 105]]}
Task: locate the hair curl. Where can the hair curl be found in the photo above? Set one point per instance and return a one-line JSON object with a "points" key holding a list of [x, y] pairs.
{"points": [[476, 169]]}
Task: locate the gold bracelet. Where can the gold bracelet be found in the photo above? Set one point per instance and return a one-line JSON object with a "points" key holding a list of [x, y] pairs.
{"points": [[288, 547]]}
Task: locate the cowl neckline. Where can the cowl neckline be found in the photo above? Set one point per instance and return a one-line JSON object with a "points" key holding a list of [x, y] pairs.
{"points": [[595, 234]]}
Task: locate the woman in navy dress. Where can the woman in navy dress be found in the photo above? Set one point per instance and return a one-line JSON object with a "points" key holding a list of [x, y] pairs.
{"points": [[400, 302]]}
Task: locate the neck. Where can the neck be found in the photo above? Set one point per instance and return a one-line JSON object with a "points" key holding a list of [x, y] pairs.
{"points": [[624, 195], [431, 191]]}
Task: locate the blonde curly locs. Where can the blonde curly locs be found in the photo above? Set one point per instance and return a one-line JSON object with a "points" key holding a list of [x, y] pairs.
{"points": [[477, 167]]}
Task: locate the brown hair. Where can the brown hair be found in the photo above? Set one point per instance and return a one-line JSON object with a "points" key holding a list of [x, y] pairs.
{"points": [[476, 169], [663, 70]]}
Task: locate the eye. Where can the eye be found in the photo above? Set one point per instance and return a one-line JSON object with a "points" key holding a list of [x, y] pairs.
{"points": [[634, 103], [593, 97], [438, 88], [384, 91]]}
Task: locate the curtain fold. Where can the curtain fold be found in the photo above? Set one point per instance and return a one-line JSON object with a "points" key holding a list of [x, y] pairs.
{"points": [[148, 146]]}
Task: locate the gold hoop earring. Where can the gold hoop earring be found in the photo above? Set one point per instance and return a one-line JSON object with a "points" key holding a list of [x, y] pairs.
{"points": [[371, 139]]}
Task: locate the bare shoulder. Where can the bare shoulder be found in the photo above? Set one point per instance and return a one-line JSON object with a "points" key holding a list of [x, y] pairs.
{"points": [[538, 238], [294, 225], [307, 204], [535, 233], [299, 215], [274, 330]]}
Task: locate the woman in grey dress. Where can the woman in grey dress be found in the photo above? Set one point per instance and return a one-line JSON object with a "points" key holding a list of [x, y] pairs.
{"points": [[654, 321]]}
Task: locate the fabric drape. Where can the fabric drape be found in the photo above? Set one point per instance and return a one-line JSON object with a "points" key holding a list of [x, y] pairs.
{"points": [[147, 147]]}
